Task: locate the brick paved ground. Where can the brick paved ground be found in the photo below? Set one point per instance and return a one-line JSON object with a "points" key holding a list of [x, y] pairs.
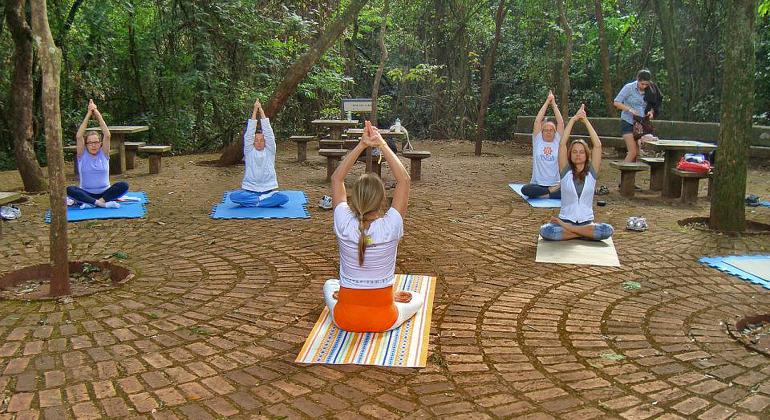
{"points": [[219, 309]]}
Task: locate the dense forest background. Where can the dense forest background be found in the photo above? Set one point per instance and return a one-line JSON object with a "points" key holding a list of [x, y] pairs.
{"points": [[191, 69]]}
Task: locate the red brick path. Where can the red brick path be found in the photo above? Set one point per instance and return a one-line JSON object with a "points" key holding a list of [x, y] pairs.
{"points": [[220, 308]]}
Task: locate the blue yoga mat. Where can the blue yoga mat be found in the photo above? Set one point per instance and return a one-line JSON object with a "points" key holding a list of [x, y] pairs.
{"points": [[294, 209], [536, 202], [723, 264], [127, 210]]}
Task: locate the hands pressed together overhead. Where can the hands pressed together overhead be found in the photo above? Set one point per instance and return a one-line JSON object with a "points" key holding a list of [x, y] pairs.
{"points": [[371, 136]]}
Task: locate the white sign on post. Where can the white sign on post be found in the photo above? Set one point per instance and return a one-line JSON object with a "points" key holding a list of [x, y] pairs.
{"points": [[357, 105]]}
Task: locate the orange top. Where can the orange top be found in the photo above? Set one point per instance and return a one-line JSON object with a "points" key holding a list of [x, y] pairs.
{"points": [[365, 310]]}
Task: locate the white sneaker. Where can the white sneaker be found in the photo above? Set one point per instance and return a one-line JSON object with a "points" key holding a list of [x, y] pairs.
{"points": [[69, 201], [325, 202]]}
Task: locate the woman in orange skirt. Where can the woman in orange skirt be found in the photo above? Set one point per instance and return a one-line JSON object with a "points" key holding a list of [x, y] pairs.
{"points": [[362, 299]]}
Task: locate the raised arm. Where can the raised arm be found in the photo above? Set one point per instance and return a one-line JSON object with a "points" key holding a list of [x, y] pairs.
{"points": [[563, 158], [251, 127], [538, 125], [105, 131], [339, 194], [596, 152], [80, 141], [267, 131], [557, 114], [403, 181]]}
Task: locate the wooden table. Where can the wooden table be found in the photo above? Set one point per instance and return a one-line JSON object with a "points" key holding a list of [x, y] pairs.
{"points": [[117, 140], [673, 151], [336, 127]]}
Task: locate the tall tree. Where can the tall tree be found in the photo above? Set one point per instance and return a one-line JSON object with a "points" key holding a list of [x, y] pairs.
{"points": [[22, 98], [381, 66], [727, 200], [604, 58], [564, 81], [486, 77], [664, 9], [50, 66], [233, 153]]}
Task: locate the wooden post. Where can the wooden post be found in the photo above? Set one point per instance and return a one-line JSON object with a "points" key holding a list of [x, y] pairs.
{"points": [[627, 183], [130, 156], [301, 151], [690, 190], [50, 65], [155, 163], [415, 169]]}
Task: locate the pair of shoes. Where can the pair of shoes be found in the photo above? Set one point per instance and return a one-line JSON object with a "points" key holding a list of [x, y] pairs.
{"points": [[603, 190], [9, 212], [638, 224], [325, 202], [752, 200]]}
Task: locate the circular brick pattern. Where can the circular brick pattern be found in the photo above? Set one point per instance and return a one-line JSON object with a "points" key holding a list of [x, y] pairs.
{"points": [[219, 309]]}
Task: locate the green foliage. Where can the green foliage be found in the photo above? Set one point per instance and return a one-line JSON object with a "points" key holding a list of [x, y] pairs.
{"points": [[191, 70]]}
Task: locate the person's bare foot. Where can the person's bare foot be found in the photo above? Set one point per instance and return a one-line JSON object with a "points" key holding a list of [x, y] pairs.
{"points": [[558, 221], [336, 295], [402, 297]]}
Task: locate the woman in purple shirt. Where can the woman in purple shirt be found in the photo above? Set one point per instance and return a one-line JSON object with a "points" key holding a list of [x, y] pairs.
{"points": [[93, 155]]}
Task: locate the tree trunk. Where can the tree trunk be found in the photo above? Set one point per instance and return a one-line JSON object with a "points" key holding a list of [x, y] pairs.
{"points": [[604, 56], [22, 98], [381, 66], [233, 153], [564, 79], [665, 12], [50, 65], [727, 200], [486, 77]]}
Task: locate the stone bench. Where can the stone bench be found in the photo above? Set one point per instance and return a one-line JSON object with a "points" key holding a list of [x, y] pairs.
{"points": [[74, 150], [330, 144], [656, 172], [131, 148], [155, 152], [415, 162], [301, 146], [628, 172], [333, 156], [9, 197], [690, 181]]}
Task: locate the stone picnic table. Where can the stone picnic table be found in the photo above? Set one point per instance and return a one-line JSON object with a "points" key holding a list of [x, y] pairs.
{"points": [[336, 127], [673, 150], [117, 139]]}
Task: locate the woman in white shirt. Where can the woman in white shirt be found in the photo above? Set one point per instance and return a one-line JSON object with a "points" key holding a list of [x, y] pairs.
{"points": [[362, 300], [579, 166], [260, 183], [545, 153]]}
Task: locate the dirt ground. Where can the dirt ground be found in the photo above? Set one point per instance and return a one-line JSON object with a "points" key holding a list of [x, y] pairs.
{"points": [[219, 309]]}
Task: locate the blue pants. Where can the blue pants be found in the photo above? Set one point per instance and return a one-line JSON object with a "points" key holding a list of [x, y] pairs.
{"points": [[537, 191], [112, 193], [248, 198], [553, 232]]}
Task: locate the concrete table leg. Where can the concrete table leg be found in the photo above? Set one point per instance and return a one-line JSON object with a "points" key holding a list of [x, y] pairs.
{"points": [[672, 184]]}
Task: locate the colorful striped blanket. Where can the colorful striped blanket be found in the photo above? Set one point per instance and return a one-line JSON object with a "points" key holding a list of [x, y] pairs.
{"points": [[406, 346]]}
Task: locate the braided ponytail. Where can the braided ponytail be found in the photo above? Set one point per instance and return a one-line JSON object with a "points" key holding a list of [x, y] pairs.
{"points": [[367, 197]]}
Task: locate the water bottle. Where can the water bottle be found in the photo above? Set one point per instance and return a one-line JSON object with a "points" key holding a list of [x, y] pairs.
{"points": [[397, 125]]}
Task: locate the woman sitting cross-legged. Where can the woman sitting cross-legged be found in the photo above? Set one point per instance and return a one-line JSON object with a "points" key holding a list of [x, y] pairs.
{"points": [[545, 152], [579, 166], [362, 300], [93, 155], [260, 184]]}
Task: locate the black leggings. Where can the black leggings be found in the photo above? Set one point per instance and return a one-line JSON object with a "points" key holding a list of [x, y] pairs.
{"points": [[537, 191], [112, 193]]}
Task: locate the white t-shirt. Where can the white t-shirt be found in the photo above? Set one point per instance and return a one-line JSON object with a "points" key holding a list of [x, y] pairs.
{"points": [[380, 257], [545, 160]]}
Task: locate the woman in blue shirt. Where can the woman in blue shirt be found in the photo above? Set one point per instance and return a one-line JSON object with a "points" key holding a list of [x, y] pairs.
{"points": [[632, 103]]}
